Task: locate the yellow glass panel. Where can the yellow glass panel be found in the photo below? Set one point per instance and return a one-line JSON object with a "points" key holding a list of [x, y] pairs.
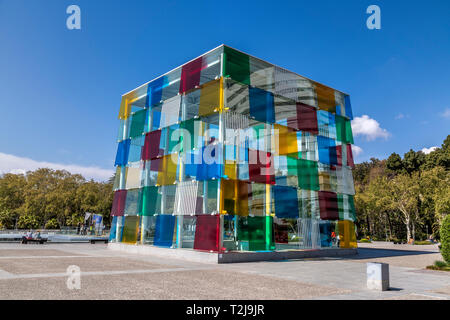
{"points": [[325, 98], [287, 140], [210, 98], [168, 171], [347, 236], [129, 98], [130, 229], [234, 197], [230, 169], [124, 112]]}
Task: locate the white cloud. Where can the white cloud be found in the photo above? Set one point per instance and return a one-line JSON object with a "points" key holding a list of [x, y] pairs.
{"points": [[370, 128], [429, 150], [401, 116], [13, 164], [446, 113], [356, 150]]}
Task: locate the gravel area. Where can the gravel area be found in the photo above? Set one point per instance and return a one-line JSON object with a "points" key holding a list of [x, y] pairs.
{"points": [[40, 273]]}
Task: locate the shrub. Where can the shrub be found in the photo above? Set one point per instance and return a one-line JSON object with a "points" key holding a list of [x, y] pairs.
{"points": [[365, 241], [445, 238], [440, 264], [422, 242], [52, 224]]}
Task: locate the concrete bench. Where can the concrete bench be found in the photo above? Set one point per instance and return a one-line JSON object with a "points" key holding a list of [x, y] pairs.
{"points": [[30, 240], [93, 241]]}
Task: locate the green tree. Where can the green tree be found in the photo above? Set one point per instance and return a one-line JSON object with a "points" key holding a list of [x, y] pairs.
{"points": [[394, 163], [413, 160], [12, 189]]}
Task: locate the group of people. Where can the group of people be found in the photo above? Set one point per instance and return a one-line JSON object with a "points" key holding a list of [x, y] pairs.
{"points": [[89, 229], [30, 235]]}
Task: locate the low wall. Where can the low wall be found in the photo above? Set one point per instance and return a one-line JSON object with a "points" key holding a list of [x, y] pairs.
{"points": [[229, 257]]}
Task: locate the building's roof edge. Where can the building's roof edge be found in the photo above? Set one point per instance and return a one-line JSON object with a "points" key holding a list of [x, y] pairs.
{"points": [[284, 69], [224, 45], [162, 75]]}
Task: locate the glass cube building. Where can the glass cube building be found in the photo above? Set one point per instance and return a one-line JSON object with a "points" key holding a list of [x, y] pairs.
{"points": [[231, 153]]}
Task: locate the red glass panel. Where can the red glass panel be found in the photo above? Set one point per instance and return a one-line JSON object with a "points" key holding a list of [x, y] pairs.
{"points": [[207, 233], [328, 204], [281, 232], [151, 148], [118, 205], [190, 75], [350, 162], [339, 155], [260, 167], [307, 118]]}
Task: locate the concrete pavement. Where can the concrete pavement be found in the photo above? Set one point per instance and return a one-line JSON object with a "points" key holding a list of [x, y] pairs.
{"points": [[39, 271]]}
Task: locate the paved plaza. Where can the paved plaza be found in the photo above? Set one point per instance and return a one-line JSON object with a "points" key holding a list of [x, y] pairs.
{"points": [[39, 272]]}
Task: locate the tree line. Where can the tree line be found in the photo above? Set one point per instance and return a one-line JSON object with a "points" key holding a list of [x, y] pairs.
{"points": [[51, 199], [396, 198], [403, 198]]}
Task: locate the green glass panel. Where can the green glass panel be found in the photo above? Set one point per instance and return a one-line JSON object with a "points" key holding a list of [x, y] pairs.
{"points": [[138, 123], [308, 174], [292, 166], [343, 129], [151, 200], [130, 229], [212, 186], [237, 65], [257, 231], [259, 131], [348, 132], [189, 125], [340, 128], [351, 205]]}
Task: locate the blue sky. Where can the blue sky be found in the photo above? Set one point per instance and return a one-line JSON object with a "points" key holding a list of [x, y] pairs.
{"points": [[60, 89]]}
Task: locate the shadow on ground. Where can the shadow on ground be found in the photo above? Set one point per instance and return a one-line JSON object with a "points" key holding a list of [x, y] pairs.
{"points": [[371, 253], [366, 253]]}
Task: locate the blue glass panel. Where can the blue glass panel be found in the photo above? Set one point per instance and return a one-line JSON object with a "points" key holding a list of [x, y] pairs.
{"points": [[325, 233], [136, 149], [154, 91], [243, 171], [281, 181], [261, 105], [327, 150], [156, 120], [122, 152], [165, 224], [208, 171], [190, 168], [112, 232], [348, 107], [286, 202]]}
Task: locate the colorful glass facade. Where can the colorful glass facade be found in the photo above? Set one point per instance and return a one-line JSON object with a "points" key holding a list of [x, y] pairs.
{"points": [[229, 152]]}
